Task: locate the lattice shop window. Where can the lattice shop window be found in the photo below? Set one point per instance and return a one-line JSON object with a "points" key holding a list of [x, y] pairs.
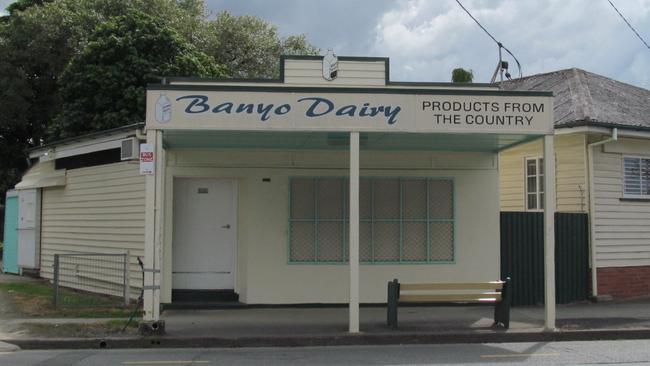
{"points": [[402, 220]]}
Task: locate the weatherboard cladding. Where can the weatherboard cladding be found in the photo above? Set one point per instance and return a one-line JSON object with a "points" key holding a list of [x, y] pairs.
{"points": [[582, 97], [99, 210], [570, 174], [309, 72], [622, 231]]}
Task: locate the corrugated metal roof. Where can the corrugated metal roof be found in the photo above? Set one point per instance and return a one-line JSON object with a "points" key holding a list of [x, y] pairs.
{"points": [[585, 98]]}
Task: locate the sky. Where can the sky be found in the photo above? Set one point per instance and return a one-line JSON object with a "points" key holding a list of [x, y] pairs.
{"points": [[426, 39]]}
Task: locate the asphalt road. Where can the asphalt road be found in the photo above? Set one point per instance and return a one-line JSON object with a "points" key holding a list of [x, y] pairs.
{"points": [[557, 353]]}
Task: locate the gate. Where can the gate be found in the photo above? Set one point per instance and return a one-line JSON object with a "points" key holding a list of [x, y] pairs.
{"points": [[522, 256], [10, 229]]}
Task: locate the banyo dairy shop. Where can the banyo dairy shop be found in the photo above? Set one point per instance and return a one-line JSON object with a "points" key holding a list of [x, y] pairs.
{"points": [[317, 187]]}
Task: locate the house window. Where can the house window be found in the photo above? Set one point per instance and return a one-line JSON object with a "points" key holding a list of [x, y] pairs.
{"points": [[534, 184], [636, 177], [402, 220]]}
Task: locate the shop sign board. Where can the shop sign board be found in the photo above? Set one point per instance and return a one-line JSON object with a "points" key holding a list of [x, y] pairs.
{"points": [[373, 111]]}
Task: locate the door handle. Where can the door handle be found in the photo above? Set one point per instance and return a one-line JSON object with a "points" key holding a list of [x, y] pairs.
{"points": [[226, 226]]}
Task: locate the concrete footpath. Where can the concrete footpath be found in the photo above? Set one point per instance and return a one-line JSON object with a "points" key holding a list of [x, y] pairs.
{"points": [[294, 327]]}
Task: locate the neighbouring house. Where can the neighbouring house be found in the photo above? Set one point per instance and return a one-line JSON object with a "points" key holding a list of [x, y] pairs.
{"points": [[602, 153], [316, 187]]}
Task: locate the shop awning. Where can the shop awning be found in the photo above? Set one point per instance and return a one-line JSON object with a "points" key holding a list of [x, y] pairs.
{"points": [[483, 142], [42, 175]]}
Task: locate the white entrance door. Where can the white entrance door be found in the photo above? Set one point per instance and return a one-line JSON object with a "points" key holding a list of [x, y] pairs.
{"points": [[204, 237]]}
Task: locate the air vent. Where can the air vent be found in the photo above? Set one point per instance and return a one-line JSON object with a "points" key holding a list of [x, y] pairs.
{"points": [[129, 149]]}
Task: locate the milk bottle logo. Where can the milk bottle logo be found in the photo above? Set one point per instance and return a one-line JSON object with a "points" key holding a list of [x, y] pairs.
{"points": [[330, 65], [163, 109]]}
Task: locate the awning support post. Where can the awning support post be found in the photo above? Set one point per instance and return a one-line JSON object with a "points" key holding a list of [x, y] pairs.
{"points": [[153, 230], [354, 233], [549, 232]]}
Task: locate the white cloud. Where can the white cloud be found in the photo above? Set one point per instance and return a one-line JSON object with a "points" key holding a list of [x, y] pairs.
{"points": [[346, 26], [3, 6], [426, 40]]}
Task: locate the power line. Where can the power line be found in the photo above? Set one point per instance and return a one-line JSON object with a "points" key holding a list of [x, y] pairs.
{"points": [[491, 36], [629, 25]]}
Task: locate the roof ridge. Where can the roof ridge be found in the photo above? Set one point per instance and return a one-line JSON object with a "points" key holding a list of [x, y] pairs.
{"points": [[562, 71], [573, 94], [575, 70], [589, 98], [599, 76], [589, 112]]}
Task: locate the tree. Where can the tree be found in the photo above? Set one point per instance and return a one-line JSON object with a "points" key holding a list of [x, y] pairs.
{"points": [[15, 128], [22, 5], [39, 38], [105, 86], [37, 41], [249, 47], [460, 75]]}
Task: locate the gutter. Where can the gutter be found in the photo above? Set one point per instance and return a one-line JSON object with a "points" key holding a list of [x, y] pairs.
{"points": [[592, 209], [88, 136], [140, 134], [608, 125]]}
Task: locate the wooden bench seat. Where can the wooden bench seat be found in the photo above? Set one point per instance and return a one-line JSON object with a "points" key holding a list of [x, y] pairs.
{"points": [[494, 293]]}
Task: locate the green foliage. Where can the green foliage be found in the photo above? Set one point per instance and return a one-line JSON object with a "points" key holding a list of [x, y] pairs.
{"points": [[37, 41], [249, 47], [104, 86], [460, 75], [22, 5], [42, 41], [17, 125]]}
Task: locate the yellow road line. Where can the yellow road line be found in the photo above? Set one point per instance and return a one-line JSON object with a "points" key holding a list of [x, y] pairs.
{"points": [[181, 362], [514, 355]]}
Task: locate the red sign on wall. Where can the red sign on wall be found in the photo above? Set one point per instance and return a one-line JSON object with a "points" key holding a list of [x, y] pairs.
{"points": [[147, 159]]}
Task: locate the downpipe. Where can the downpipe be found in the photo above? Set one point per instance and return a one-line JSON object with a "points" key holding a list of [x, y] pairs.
{"points": [[592, 209], [140, 135]]}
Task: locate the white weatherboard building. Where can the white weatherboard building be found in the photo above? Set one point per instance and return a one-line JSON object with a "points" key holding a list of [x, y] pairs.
{"points": [[602, 142], [309, 190]]}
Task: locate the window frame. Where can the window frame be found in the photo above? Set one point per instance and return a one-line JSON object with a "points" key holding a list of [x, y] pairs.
{"points": [[539, 161], [402, 220], [641, 181]]}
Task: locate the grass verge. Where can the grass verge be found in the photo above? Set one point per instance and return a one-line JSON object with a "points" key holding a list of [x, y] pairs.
{"points": [[34, 299]]}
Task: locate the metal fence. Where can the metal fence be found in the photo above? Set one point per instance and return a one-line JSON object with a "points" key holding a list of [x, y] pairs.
{"points": [[91, 279], [522, 256]]}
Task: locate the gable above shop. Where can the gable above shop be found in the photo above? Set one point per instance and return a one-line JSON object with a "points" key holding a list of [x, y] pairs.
{"points": [[359, 72]]}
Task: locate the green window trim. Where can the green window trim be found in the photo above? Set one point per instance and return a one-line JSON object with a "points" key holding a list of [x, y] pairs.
{"points": [[534, 183], [318, 245]]}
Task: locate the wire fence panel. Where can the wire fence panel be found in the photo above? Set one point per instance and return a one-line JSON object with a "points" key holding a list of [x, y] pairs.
{"points": [[91, 280]]}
